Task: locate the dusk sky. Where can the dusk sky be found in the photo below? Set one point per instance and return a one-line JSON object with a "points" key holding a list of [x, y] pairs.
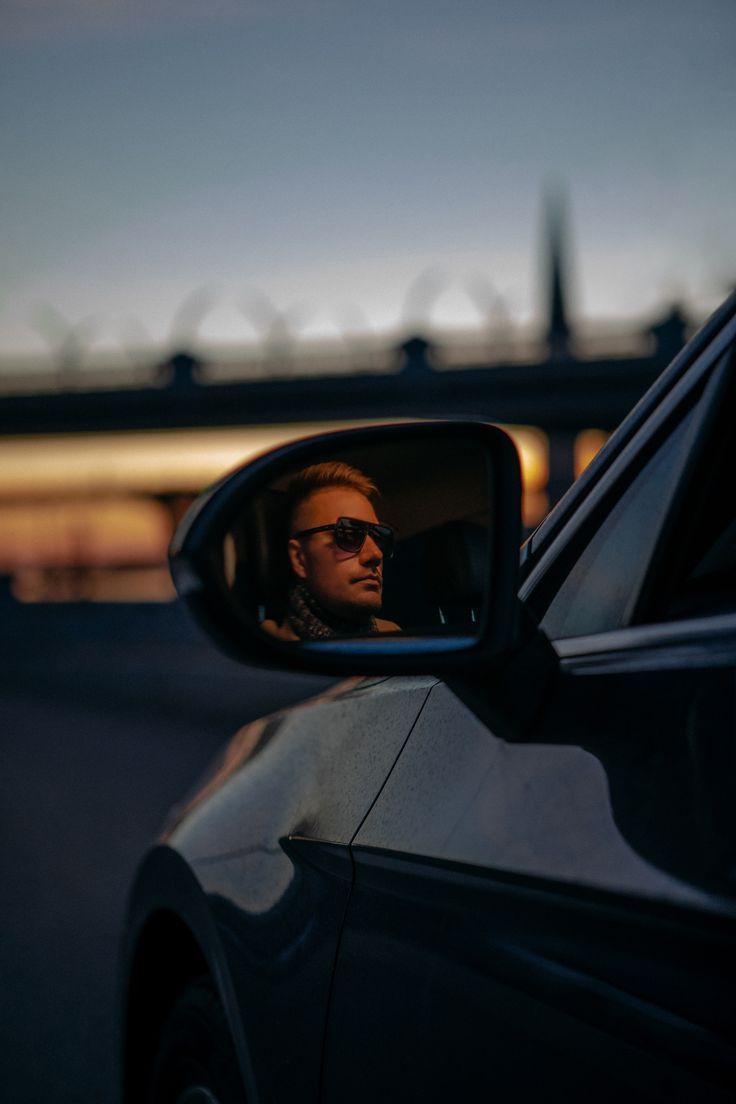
{"points": [[327, 152]]}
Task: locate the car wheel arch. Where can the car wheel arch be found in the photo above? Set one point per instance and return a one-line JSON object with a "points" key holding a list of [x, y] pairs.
{"points": [[166, 959], [173, 940]]}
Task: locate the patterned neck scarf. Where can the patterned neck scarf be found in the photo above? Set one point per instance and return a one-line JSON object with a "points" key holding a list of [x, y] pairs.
{"points": [[311, 621]]}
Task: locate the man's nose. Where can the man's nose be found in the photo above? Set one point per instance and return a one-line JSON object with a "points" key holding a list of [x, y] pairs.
{"points": [[370, 553]]}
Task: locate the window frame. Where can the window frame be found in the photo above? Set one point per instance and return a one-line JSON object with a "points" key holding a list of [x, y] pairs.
{"points": [[701, 384], [706, 346], [658, 578]]}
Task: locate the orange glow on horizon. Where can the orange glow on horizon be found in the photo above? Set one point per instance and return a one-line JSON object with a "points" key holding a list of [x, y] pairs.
{"points": [[533, 448], [100, 533], [182, 460], [587, 445], [143, 462], [86, 502]]}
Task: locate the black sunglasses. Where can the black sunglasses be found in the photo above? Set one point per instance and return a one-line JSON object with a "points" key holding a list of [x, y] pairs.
{"points": [[350, 534]]}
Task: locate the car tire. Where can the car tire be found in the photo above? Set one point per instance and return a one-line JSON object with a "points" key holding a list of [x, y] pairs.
{"points": [[196, 1061]]}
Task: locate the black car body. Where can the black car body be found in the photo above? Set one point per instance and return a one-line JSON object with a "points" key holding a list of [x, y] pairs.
{"points": [[493, 888]]}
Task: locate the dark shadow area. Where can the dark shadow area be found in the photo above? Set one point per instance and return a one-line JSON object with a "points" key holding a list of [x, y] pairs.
{"points": [[109, 715]]}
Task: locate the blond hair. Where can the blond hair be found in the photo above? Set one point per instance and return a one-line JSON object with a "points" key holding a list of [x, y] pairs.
{"points": [[332, 473]]}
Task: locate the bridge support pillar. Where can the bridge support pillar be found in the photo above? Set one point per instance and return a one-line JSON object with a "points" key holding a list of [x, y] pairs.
{"points": [[561, 462]]}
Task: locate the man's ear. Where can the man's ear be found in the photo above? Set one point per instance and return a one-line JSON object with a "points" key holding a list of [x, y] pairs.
{"points": [[296, 559]]}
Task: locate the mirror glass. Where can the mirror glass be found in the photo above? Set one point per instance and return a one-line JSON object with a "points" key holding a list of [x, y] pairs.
{"points": [[389, 538]]}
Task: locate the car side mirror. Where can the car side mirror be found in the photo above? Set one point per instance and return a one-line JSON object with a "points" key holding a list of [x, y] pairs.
{"points": [[382, 550]]}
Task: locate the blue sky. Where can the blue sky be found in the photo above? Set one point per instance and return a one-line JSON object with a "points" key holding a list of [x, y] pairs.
{"points": [[328, 152]]}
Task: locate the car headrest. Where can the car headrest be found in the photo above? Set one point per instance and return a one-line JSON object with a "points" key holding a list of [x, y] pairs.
{"points": [[456, 563]]}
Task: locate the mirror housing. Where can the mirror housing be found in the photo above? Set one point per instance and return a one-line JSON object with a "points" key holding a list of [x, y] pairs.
{"points": [[199, 567]]}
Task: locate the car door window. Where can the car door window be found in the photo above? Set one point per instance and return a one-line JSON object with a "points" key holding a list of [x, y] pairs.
{"points": [[666, 547], [697, 573], [710, 586], [599, 590]]}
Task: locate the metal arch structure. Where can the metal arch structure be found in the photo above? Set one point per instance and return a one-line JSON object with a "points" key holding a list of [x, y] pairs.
{"points": [[558, 392]]}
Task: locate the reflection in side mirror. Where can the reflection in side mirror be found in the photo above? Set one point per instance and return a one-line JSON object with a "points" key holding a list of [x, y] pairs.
{"points": [[387, 550], [385, 538]]}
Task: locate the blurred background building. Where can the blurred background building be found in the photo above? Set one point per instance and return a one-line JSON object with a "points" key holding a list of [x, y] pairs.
{"points": [[100, 461], [225, 225]]}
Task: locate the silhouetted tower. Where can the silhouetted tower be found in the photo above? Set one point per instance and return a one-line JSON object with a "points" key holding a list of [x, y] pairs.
{"points": [[558, 328], [556, 275]]}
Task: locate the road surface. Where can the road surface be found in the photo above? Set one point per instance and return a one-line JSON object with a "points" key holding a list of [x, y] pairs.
{"points": [[96, 747]]}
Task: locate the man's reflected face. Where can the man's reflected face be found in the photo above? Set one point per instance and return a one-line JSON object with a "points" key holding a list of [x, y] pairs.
{"points": [[347, 584]]}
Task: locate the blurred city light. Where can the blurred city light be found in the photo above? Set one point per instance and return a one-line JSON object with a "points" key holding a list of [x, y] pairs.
{"points": [[88, 517]]}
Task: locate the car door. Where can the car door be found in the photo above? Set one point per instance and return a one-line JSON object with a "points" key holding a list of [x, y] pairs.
{"points": [[267, 837], [552, 912]]}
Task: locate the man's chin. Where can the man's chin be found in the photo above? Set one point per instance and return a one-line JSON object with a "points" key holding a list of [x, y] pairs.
{"points": [[367, 605], [371, 602]]}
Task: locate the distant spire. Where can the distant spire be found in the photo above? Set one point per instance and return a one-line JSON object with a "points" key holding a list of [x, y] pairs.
{"points": [[555, 233]]}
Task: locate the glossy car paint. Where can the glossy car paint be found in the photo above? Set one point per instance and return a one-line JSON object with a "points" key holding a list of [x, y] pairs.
{"points": [[257, 867], [530, 913]]}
